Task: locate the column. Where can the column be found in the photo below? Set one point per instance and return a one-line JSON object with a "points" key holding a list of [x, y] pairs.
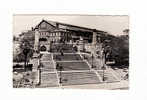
{"points": [[36, 44], [94, 42]]}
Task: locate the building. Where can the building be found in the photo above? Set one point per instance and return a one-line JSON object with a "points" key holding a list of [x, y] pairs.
{"points": [[50, 32]]}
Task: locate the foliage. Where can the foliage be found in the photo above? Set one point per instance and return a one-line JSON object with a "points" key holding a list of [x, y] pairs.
{"points": [[26, 42], [15, 38], [119, 50]]}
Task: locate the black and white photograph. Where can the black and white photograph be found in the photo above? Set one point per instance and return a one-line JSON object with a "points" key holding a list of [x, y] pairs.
{"points": [[67, 51], [73, 49]]}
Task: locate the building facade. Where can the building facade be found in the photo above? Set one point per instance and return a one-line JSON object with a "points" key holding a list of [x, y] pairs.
{"points": [[49, 32]]}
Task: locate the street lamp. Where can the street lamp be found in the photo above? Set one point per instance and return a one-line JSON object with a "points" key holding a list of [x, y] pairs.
{"points": [[40, 71], [92, 60], [103, 68], [60, 68], [39, 68], [104, 64]]}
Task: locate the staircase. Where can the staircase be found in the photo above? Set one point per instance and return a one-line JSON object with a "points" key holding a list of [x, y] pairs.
{"points": [[48, 80], [48, 77]]}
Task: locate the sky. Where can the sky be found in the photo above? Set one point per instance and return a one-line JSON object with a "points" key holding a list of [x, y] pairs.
{"points": [[112, 24]]}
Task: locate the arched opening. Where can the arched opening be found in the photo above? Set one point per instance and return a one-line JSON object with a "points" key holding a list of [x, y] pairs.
{"points": [[42, 39], [43, 48]]}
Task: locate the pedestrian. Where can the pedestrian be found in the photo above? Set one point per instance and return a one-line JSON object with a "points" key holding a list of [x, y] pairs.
{"points": [[61, 53]]}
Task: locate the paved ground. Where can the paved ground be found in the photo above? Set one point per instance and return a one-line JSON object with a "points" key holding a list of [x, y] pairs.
{"points": [[122, 85]]}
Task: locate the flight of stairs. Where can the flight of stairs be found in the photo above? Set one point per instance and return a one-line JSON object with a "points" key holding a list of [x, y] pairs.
{"points": [[48, 80], [48, 76]]}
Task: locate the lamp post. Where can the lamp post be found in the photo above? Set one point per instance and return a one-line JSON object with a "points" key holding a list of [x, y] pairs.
{"points": [[103, 68], [40, 71], [60, 68], [39, 68], [92, 60], [103, 63]]}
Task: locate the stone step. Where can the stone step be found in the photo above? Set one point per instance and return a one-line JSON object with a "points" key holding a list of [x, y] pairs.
{"points": [[79, 78], [48, 80]]}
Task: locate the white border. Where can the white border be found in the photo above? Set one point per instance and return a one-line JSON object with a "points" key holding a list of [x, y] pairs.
{"points": [[136, 9]]}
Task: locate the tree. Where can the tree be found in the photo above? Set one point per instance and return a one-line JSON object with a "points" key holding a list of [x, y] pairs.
{"points": [[26, 47], [15, 38], [118, 50]]}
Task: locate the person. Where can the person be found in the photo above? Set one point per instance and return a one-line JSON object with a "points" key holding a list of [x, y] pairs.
{"points": [[61, 52], [57, 66]]}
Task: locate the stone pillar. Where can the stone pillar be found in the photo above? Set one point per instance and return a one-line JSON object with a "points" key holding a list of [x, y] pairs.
{"points": [[36, 44], [94, 38], [94, 42]]}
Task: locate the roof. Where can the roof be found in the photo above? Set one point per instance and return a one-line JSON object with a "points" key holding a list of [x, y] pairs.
{"points": [[69, 26]]}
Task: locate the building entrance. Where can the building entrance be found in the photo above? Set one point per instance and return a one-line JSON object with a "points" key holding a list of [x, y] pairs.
{"points": [[43, 48]]}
